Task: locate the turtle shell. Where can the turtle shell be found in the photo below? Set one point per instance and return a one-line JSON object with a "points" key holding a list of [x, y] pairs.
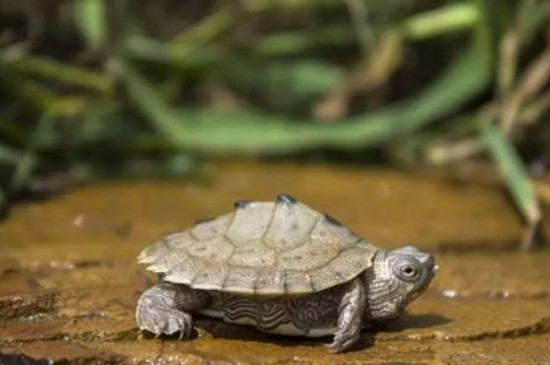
{"points": [[264, 248]]}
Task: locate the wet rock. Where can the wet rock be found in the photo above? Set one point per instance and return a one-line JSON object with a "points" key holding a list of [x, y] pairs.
{"points": [[498, 275], [523, 350], [69, 280], [19, 305], [30, 331], [467, 320], [56, 352], [7, 265], [383, 206]]}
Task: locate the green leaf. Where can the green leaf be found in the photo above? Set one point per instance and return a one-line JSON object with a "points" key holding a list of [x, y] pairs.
{"points": [[90, 18], [514, 173], [282, 84], [106, 125], [222, 132], [30, 158], [62, 72], [8, 155], [445, 19], [218, 132]]}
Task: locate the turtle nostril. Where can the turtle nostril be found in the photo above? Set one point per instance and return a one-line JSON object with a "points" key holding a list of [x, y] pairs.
{"points": [[430, 264]]}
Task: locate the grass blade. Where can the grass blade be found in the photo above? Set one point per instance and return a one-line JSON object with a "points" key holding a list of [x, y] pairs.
{"points": [[222, 132], [517, 179], [8, 155], [219, 132], [90, 18]]}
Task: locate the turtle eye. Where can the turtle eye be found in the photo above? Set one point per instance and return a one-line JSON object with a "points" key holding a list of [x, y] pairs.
{"points": [[407, 271]]}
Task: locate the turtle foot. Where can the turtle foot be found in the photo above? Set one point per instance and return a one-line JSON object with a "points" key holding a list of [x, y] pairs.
{"points": [[155, 314]]}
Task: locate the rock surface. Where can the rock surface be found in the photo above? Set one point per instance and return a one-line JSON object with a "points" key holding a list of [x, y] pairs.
{"points": [[69, 280]]}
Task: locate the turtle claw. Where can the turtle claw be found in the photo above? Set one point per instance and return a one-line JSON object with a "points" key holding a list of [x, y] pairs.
{"points": [[167, 322], [154, 315], [349, 318], [174, 321], [341, 344], [185, 326]]}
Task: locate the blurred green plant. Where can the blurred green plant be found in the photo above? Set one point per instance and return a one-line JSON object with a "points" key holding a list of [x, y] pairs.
{"points": [[513, 170], [90, 19], [92, 88]]}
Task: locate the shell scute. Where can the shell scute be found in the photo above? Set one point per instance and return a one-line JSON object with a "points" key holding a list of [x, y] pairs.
{"points": [[216, 249], [241, 279], [271, 282], [262, 248], [167, 262], [328, 233], [291, 225], [352, 260], [253, 255], [211, 278], [298, 282], [326, 275], [307, 257], [212, 228], [185, 271], [165, 246], [250, 222]]}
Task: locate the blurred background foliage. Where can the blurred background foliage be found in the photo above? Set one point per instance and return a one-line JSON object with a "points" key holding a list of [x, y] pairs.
{"points": [[98, 89]]}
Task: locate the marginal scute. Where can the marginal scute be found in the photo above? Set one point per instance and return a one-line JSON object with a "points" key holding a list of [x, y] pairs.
{"points": [[185, 271], [241, 279], [210, 278], [262, 248], [167, 262], [298, 282], [164, 247], [271, 282], [177, 239], [153, 252], [326, 276]]}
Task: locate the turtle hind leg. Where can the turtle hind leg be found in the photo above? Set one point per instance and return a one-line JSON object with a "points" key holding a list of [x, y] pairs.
{"points": [[350, 316], [166, 308]]}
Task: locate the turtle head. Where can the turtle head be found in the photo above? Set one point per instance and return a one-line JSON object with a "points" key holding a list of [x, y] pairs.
{"points": [[398, 277]]}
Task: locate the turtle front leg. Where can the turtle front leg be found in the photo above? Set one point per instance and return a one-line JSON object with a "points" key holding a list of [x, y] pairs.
{"points": [[165, 309], [350, 316]]}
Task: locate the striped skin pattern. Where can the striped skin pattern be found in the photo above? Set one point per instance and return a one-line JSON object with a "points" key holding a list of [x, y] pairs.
{"points": [[303, 313]]}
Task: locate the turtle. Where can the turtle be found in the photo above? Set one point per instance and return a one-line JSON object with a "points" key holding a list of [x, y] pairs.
{"points": [[282, 267]]}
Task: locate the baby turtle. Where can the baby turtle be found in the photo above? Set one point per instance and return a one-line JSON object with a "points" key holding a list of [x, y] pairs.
{"points": [[282, 267]]}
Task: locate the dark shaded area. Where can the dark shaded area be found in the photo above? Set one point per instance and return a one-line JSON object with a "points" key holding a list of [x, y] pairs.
{"points": [[408, 321], [22, 360]]}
